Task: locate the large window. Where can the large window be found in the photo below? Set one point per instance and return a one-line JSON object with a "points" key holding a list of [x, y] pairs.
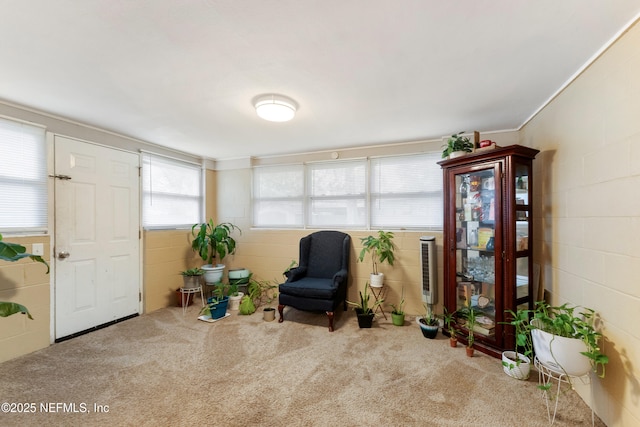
{"points": [[171, 192], [406, 192], [401, 192], [23, 177], [337, 194], [278, 196]]}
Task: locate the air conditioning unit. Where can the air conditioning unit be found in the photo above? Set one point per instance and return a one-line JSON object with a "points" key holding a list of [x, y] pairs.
{"points": [[429, 269]]}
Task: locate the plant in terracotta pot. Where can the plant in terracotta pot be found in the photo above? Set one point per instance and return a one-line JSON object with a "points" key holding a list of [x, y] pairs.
{"points": [[210, 240], [397, 311], [428, 323], [381, 249], [457, 144], [365, 312], [471, 323], [450, 321]]}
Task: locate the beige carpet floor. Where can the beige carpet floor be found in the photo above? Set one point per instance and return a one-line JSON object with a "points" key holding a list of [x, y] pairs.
{"points": [[166, 369]]}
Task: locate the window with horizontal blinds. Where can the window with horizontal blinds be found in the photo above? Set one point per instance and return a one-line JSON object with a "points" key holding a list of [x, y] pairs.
{"points": [[337, 194], [278, 196], [402, 192], [172, 193], [23, 177], [406, 192]]}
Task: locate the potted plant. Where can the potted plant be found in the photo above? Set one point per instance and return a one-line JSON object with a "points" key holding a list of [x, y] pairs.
{"points": [[211, 239], [191, 278], [517, 362], [235, 296], [363, 311], [381, 249], [457, 145], [428, 323], [216, 306], [13, 252], [450, 321], [397, 312], [565, 339], [471, 323]]}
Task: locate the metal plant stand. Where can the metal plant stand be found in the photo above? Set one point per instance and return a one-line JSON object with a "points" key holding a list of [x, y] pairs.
{"points": [[546, 375], [184, 296]]}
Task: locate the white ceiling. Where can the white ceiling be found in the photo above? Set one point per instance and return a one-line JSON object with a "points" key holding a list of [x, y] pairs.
{"points": [[182, 73]]}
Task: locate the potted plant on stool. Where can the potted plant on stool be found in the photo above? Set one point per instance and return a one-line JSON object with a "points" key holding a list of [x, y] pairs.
{"points": [[381, 249], [212, 239]]}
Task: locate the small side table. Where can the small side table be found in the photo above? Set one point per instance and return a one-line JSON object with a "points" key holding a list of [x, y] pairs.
{"points": [[378, 295], [190, 291]]}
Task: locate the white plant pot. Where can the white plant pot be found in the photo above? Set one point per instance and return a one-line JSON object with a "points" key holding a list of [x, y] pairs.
{"points": [[518, 371], [213, 274], [455, 154], [561, 354], [376, 280], [234, 301]]}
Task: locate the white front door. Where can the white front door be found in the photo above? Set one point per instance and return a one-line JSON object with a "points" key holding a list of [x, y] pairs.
{"points": [[97, 243]]}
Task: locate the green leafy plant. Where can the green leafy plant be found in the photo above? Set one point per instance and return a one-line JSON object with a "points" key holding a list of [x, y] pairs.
{"points": [[192, 272], [380, 248], [429, 318], [471, 323], [572, 322], [14, 252], [457, 142], [522, 334], [259, 292], [363, 304], [210, 239], [399, 309], [449, 322]]}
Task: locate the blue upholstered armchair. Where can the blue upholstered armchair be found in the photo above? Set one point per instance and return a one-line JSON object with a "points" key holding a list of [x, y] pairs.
{"points": [[319, 283]]}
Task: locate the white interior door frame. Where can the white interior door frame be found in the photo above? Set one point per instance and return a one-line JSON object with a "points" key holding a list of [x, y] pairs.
{"points": [[56, 241]]}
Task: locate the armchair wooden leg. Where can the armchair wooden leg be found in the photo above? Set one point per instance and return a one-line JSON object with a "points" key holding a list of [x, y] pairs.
{"points": [[280, 309], [330, 316]]}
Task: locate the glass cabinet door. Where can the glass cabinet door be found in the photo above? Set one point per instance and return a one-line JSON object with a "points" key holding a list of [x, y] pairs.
{"points": [[476, 209], [522, 224]]}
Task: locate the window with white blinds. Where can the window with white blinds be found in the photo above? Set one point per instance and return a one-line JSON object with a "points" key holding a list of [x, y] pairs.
{"points": [[406, 192], [337, 194], [172, 193], [23, 177], [278, 196], [402, 192]]}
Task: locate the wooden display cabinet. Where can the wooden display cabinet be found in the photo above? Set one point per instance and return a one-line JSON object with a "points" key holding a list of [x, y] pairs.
{"points": [[488, 233]]}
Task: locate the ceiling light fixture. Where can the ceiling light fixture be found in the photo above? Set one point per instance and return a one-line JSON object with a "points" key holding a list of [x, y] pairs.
{"points": [[275, 108]]}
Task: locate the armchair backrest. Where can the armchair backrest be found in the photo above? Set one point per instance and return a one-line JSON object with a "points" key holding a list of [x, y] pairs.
{"points": [[324, 253]]}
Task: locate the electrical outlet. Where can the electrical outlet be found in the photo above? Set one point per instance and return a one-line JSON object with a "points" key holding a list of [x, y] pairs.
{"points": [[37, 249]]}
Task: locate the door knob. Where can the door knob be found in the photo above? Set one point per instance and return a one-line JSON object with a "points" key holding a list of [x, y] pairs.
{"points": [[63, 255]]}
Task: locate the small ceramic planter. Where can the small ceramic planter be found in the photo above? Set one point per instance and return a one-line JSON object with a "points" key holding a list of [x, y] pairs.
{"points": [[269, 314]]}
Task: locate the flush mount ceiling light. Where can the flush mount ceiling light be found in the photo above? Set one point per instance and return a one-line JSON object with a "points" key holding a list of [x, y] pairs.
{"points": [[275, 108]]}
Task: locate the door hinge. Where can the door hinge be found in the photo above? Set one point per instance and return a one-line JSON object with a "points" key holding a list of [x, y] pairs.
{"points": [[139, 234], [139, 296], [63, 177]]}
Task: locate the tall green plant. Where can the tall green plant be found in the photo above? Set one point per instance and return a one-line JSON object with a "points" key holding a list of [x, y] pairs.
{"points": [[363, 304], [211, 239], [380, 248], [14, 252], [522, 335]]}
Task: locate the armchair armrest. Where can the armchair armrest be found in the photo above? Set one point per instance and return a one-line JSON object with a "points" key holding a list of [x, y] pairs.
{"points": [[340, 277], [296, 274]]}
